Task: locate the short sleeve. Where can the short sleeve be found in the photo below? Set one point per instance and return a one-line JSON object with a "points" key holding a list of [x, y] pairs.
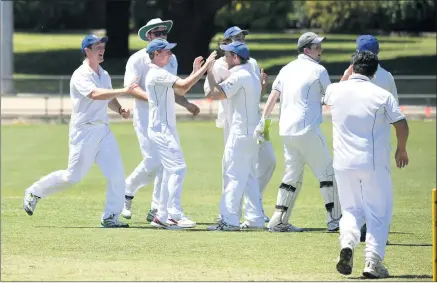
{"points": [[84, 84], [133, 69], [220, 73], [393, 112], [166, 79], [324, 80], [230, 86], [393, 89], [278, 83], [326, 98]]}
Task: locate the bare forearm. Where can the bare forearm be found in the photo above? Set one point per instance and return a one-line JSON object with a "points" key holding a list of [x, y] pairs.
{"points": [[187, 83], [139, 93], [106, 94], [402, 133], [270, 104], [181, 100], [215, 91], [114, 105]]}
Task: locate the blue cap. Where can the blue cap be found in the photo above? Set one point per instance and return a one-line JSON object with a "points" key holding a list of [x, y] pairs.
{"points": [[159, 44], [233, 31], [91, 39], [238, 48], [367, 42]]}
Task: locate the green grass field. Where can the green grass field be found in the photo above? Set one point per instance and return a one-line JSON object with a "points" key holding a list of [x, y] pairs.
{"points": [[62, 241], [59, 54]]}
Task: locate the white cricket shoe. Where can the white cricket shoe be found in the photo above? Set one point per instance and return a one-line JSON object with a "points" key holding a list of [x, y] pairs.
{"points": [[334, 226], [158, 224], [285, 228], [184, 222], [346, 261], [246, 226], [223, 226], [374, 269], [29, 203], [127, 209]]}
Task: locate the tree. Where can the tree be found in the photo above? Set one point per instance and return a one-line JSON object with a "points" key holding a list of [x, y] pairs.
{"points": [[193, 28], [117, 28]]}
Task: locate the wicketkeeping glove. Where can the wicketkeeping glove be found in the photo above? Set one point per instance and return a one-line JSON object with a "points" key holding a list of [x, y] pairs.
{"points": [[261, 133]]}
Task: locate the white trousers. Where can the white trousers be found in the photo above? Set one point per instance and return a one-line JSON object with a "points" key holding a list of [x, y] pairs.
{"points": [[365, 196], [89, 144], [265, 166], [310, 148], [141, 177], [167, 153], [240, 158]]}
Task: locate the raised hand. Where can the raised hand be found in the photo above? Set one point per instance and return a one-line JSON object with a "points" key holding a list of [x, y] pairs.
{"points": [[197, 64], [133, 84]]}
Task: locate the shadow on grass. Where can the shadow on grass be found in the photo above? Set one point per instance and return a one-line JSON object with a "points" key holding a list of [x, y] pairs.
{"points": [[408, 276]]}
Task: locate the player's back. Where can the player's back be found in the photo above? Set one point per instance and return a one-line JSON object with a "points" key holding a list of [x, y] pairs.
{"points": [[359, 116], [385, 80], [301, 84]]}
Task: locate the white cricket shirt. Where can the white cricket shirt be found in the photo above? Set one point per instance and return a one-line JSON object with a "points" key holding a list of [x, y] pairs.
{"points": [[360, 113], [138, 65], [385, 80], [159, 86], [301, 83], [243, 90], [85, 110]]}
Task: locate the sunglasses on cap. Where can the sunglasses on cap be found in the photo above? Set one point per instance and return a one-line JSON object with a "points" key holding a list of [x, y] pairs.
{"points": [[159, 32]]}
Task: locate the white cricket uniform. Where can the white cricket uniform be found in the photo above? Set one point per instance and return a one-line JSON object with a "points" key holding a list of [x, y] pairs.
{"points": [[164, 141], [138, 65], [266, 156], [360, 113], [90, 141], [301, 85], [242, 89]]}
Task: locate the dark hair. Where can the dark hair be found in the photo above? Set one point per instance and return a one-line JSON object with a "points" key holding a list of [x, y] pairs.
{"points": [[242, 60], [220, 52], [365, 63], [89, 46], [300, 49]]}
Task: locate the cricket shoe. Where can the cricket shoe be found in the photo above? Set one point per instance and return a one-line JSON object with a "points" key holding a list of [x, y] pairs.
{"points": [[285, 228], [346, 261], [158, 224], [127, 211], [113, 222], [151, 214], [374, 269], [184, 222], [223, 226], [30, 201], [334, 225], [246, 226]]}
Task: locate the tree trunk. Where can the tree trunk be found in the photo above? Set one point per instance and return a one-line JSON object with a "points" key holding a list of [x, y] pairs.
{"points": [[117, 28], [193, 28]]}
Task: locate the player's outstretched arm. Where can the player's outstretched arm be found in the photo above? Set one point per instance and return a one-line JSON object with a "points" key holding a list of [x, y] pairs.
{"points": [[115, 106], [214, 90], [271, 102], [107, 94], [186, 84]]}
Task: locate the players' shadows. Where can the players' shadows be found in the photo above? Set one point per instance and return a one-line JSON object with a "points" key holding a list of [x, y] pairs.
{"points": [[408, 276]]}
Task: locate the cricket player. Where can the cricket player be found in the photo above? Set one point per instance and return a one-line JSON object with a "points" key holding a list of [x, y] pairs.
{"points": [[360, 113], [382, 78], [266, 157], [301, 85], [138, 65], [91, 140], [242, 89], [161, 86]]}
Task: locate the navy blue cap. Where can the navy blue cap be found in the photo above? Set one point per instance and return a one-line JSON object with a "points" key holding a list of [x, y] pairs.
{"points": [[238, 48], [91, 39], [367, 42], [232, 31], [159, 44]]}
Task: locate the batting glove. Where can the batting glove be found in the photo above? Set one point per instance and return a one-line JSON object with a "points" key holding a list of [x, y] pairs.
{"points": [[261, 133]]}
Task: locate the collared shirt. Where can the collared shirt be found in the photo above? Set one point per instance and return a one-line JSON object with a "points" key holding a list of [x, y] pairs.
{"points": [[301, 83], [243, 90], [138, 66], [360, 113], [85, 110], [159, 86]]}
